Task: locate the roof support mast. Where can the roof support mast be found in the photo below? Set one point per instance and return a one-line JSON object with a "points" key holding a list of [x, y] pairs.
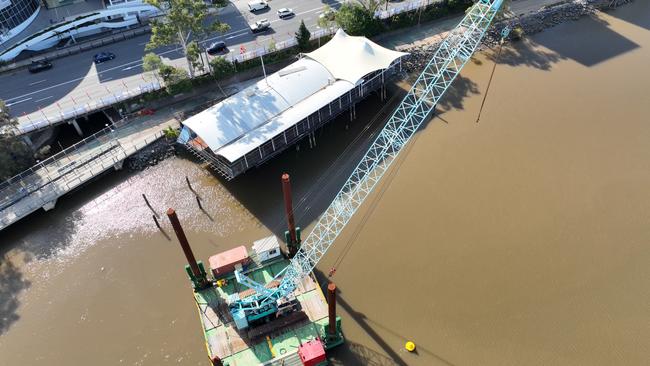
{"points": [[437, 76]]}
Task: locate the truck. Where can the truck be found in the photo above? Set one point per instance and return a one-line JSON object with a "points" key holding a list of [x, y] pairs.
{"points": [[260, 26]]}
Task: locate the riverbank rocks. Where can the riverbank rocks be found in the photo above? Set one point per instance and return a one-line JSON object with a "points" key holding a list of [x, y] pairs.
{"points": [[531, 23], [156, 152]]}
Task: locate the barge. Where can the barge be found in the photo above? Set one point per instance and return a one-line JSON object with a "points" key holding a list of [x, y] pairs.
{"points": [[298, 331]]}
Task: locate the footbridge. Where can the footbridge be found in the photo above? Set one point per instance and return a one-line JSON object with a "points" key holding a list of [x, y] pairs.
{"points": [[43, 184]]}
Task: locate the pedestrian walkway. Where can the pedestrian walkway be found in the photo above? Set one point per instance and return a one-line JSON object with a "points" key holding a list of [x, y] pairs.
{"points": [[42, 185]]}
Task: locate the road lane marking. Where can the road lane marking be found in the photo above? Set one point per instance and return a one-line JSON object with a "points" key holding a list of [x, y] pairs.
{"points": [[37, 82], [106, 79], [132, 67], [42, 99], [20, 101], [242, 31], [239, 35], [296, 15]]}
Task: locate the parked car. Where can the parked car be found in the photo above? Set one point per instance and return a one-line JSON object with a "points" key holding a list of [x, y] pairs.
{"points": [[38, 66], [261, 26], [103, 57], [258, 5], [285, 13], [216, 48]]}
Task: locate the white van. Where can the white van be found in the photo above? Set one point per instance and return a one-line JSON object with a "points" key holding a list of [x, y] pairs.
{"points": [[257, 5]]}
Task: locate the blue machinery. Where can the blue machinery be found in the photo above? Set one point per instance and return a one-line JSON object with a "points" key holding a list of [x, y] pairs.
{"points": [[430, 86]]}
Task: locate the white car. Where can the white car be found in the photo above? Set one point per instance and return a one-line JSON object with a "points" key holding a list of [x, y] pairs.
{"points": [[285, 13]]}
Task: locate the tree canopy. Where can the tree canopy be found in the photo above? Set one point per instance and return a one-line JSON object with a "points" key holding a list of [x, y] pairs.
{"points": [[183, 19], [302, 36], [358, 18], [15, 155]]}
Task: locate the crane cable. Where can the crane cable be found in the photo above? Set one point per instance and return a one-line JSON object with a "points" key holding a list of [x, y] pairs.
{"points": [[504, 34], [373, 205]]}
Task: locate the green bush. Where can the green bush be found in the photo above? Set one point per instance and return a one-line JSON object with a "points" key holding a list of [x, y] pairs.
{"points": [[176, 80], [221, 68], [171, 133], [517, 33], [356, 20]]}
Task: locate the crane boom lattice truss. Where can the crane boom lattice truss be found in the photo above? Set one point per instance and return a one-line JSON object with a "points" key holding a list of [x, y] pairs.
{"points": [[452, 54]]}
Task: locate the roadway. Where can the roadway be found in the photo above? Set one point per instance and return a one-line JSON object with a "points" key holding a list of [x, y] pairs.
{"points": [[76, 80]]}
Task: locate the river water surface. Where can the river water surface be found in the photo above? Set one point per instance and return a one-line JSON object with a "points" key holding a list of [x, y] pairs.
{"points": [[520, 239]]}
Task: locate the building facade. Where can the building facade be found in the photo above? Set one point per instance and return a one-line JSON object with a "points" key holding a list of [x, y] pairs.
{"points": [[16, 14]]}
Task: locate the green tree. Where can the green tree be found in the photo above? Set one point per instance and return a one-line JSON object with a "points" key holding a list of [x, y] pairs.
{"points": [[194, 55], [358, 19], [175, 79], [183, 19], [328, 18], [152, 62], [221, 67], [15, 155], [302, 36]]}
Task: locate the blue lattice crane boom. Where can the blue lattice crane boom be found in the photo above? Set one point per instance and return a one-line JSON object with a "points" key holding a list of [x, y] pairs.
{"points": [[437, 76]]}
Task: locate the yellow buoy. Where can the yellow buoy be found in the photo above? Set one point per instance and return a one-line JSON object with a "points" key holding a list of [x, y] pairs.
{"points": [[410, 346]]}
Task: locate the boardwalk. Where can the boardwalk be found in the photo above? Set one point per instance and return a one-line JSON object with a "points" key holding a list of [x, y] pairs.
{"points": [[41, 186]]}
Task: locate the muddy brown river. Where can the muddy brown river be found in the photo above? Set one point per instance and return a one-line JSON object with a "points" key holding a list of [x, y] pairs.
{"points": [[520, 239]]}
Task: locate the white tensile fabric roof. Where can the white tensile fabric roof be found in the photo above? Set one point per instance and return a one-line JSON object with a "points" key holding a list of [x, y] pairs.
{"points": [[246, 120], [350, 58]]}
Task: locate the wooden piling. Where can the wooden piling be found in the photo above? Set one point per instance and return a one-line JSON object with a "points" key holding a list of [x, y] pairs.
{"points": [[155, 219], [149, 205], [187, 180]]}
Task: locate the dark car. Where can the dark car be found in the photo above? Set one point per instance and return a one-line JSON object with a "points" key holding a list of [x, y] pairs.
{"points": [[103, 57], [216, 47], [261, 26], [38, 66]]}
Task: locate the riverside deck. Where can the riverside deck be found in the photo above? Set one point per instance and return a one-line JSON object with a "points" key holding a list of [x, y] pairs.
{"points": [[275, 343]]}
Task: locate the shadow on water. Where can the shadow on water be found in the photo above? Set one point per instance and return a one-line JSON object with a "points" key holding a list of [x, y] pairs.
{"points": [[603, 44], [318, 173], [461, 88], [12, 283], [524, 53], [637, 14], [363, 355]]}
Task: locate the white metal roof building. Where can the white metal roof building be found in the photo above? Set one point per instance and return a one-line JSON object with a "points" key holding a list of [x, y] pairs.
{"points": [[262, 120]]}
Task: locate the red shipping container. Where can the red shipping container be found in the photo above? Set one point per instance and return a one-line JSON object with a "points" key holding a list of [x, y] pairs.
{"points": [[312, 353], [225, 262]]}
